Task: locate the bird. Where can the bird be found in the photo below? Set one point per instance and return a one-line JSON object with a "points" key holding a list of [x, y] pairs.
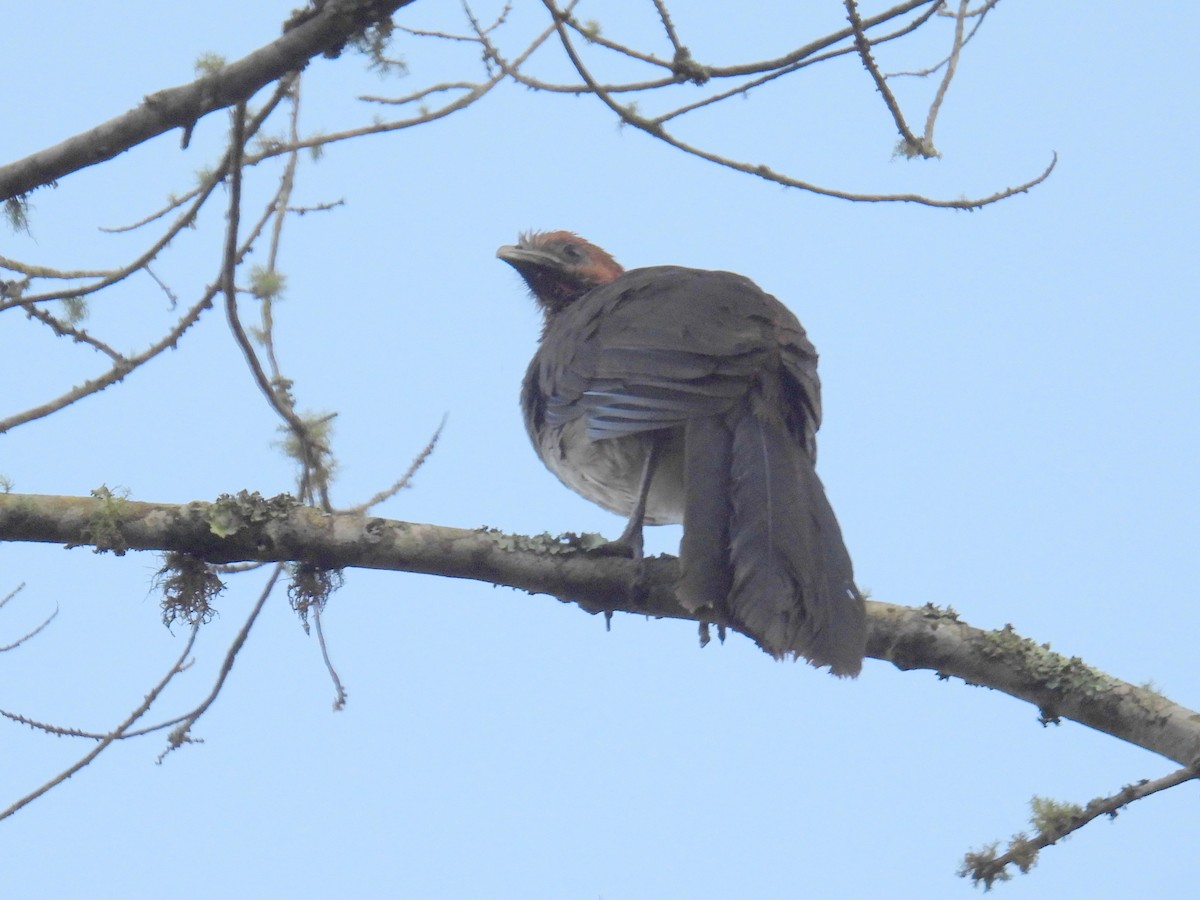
{"points": [[677, 395]]}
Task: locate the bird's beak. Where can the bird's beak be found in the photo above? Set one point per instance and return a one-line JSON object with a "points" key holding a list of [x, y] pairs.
{"points": [[516, 255]]}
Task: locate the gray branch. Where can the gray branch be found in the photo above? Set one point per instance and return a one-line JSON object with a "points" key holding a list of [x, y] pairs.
{"points": [[323, 28], [247, 527]]}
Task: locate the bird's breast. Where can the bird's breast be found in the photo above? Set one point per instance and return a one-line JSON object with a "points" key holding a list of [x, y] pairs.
{"points": [[609, 471]]}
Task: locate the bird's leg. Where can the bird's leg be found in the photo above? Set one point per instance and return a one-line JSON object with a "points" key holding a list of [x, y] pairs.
{"points": [[631, 542]]}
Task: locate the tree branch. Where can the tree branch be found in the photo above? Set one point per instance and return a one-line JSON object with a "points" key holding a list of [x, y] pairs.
{"points": [[248, 527], [120, 369], [115, 735], [630, 116], [1054, 821], [324, 28], [862, 44]]}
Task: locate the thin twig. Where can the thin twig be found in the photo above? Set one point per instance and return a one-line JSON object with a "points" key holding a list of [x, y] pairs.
{"points": [[339, 690], [981, 10], [766, 65], [924, 73], [311, 451], [31, 271], [234, 155], [229, 286], [112, 736], [951, 67], [913, 145], [172, 203], [747, 86], [56, 730], [29, 634], [118, 371], [441, 35], [665, 16], [405, 479], [181, 222], [421, 94], [126, 364], [320, 28], [592, 36], [793, 61], [180, 735], [317, 207], [174, 300], [283, 196], [987, 868], [448, 36], [78, 335], [650, 127], [20, 587]]}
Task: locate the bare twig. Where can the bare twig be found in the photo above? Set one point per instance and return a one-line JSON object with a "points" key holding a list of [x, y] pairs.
{"points": [[339, 689], [56, 730], [311, 449], [172, 204], [179, 735], [229, 261], [772, 67], [683, 67], [4, 600], [923, 73], [31, 271], [118, 371], [286, 183], [471, 38], [746, 86], [78, 335], [665, 16], [422, 94], [982, 10], [327, 28], [951, 68], [166, 289], [759, 66], [29, 634], [1054, 821], [404, 480], [185, 218], [112, 736], [316, 207], [631, 117], [592, 36], [913, 146], [277, 399]]}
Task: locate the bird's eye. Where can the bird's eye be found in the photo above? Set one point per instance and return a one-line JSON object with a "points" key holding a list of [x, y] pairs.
{"points": [[572, 253]]}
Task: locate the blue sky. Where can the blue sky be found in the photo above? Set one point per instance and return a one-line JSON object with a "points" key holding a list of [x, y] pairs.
{"points": [[1011, 423]]}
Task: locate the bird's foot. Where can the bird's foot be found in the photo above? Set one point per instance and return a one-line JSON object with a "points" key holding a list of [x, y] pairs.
{"points": [[629, 545]]}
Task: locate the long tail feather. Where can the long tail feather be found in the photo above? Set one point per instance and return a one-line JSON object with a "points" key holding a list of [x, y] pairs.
{"points": [[793, 583], [706, 574]]}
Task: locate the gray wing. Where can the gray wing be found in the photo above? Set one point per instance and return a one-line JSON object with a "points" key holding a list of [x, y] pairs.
{"points": [[663, 345]]}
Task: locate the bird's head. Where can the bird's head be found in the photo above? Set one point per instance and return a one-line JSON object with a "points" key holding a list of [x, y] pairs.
{"points": [[559, 267]]}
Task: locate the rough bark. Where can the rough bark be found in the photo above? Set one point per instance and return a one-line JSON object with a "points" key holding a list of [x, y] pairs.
{"points": [[322, 28], [248, 527]]}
